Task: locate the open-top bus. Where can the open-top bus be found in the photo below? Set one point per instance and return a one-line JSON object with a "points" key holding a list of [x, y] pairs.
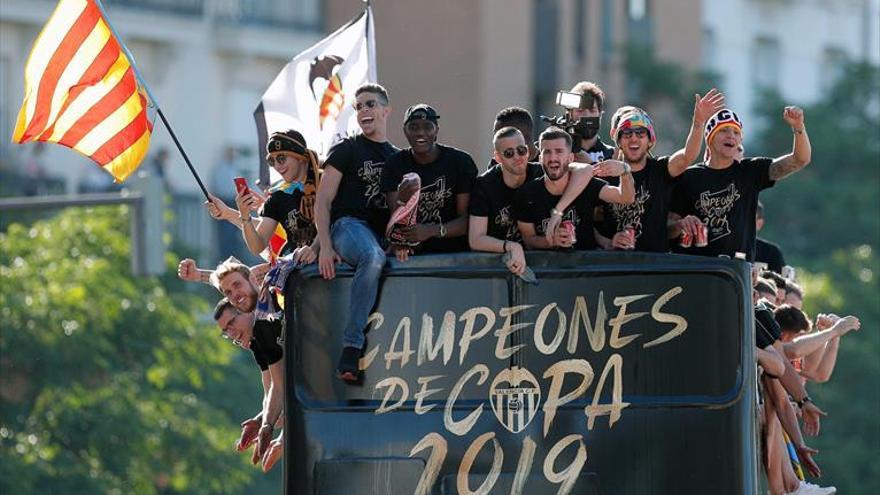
{"points": [[618, 373]]}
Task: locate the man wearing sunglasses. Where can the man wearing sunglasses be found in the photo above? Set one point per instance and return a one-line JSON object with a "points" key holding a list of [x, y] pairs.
{"points": [[262, 338], [492, 226], [642, 225], [351, 213], [447, 175], [535, 201]]}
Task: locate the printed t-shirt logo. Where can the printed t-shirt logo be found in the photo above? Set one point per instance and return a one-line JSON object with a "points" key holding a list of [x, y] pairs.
{"points": [[433, 197], [714, 207]]}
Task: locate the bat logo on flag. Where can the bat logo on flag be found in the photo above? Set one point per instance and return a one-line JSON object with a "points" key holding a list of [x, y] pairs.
{"points": [[326, 68], [515, 397]]}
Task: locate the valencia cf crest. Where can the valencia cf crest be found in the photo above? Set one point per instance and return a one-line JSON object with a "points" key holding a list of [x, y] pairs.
{"points": [[515, 397], [325, 81]]}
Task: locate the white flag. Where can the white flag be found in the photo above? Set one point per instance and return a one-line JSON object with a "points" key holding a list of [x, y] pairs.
{"points": [[314, 93]]}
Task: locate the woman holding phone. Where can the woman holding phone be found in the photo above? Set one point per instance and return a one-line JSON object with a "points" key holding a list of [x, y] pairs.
{"points": [[290, 204]]}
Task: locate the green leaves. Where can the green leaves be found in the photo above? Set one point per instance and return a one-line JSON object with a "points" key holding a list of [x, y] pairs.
{"points": [[110, 385]]}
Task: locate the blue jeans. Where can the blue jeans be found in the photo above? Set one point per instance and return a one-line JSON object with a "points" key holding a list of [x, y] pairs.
{"points": [[356, 244]]}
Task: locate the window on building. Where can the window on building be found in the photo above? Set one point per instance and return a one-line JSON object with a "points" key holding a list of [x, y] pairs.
{"points": [[766, 59], [579, 29], [638, 9], [834, 62], [710, 49], [545, 61]]}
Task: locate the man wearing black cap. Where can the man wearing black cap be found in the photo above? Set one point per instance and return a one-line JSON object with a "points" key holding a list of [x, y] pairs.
{"points": [[351, 215], [447, 176]]}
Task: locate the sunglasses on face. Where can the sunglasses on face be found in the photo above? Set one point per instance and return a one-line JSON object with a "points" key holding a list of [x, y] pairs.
{"points": [[628, 133], [520, 150], [277, 159], [358, 106]]}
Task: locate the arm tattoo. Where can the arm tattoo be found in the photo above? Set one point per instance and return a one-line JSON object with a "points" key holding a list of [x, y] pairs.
{"points": [[784, 167]]}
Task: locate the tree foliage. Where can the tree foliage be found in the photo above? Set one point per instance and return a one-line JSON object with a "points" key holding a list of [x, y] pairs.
{"points": [[110, 385], [825, 218]]}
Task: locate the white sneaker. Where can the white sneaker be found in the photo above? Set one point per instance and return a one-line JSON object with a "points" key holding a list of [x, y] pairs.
{"points": [[806, 488]]}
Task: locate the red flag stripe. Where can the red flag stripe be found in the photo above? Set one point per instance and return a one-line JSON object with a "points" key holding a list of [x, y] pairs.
{"points": [[102, 109], [72, 41], [96, 71], [122, 140]]}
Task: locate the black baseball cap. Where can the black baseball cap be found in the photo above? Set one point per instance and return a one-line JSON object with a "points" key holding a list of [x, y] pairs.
{"points": [[422, 111]]}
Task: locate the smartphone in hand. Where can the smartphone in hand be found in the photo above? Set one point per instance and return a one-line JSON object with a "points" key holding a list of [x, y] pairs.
{"points": [[241, 185]]}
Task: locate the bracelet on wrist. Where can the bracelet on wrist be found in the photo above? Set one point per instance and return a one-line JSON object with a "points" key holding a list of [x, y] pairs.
{"points": [[504, 247], [442, 230], [801, 403], [245, 219], [798, 131]]}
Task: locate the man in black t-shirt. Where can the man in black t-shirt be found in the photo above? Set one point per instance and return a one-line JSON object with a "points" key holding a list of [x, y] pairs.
{"points": [[263, 339], [723, 192], [535, 201], [447, 176], [350, 214], [766, 251], [641, 225], [492, 226]]}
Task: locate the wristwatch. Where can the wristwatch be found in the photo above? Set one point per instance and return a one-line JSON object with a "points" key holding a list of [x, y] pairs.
{"points": [[555, 212], [442, 230], [801, 403]]}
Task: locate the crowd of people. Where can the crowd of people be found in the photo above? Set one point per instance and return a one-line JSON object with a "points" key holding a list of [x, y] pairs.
{"points": [[570, 190]]}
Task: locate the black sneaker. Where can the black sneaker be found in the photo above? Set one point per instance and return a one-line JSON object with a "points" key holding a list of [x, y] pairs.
{"points": [[347, 369]]}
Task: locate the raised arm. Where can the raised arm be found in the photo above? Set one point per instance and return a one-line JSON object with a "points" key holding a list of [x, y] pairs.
{"points": [[187, 270], [810, 343], [704, 107], [800, 154]]}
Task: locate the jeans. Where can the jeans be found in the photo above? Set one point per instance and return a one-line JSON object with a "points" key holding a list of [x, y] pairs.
{"points": [[356, 244]]}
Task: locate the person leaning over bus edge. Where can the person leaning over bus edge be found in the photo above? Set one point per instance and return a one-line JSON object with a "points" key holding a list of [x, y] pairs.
{"points": [[351, 213], [723, 191], [262, 338], [447, 177], [533, 206]]}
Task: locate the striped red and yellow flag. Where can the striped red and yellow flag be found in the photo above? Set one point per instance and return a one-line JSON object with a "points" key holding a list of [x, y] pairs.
{"points": [[81, 91]]}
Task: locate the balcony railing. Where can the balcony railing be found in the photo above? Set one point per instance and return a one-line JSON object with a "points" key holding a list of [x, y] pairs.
{"points": [[286, 14]]}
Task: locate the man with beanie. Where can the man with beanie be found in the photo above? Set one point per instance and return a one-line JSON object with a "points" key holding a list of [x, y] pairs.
{"points": [[723, 191], [641, 225]]}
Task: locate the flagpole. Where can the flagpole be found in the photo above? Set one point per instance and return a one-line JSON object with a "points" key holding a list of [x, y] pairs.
{"points": [[137, 74]]}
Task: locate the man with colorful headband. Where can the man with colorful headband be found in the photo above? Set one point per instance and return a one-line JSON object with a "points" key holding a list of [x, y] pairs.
{"points": [[641, 225], [351, 214], [723, 191], [290, 203]]}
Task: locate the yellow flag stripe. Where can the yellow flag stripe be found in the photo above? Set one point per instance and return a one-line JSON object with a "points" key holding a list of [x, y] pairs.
{"points": [[108, 128], [74, 71], [89, 97], [127, 161], [66, 14]]}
